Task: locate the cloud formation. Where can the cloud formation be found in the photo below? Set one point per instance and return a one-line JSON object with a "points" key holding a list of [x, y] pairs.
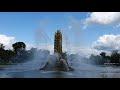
{"points": [[107, 42], [7, 41], [102, 18]]}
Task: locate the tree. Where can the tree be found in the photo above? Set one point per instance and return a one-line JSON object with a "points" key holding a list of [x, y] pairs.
{"points": [[8, 56], [18, 47], [2, 52], [96, 59], [115, 56], [2, 46], [5, 55], [103, 54]]}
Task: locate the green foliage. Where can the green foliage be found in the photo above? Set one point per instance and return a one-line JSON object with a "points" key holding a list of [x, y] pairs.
{"points": [[18, 54], [96, 59], [2, 46], [108, 57], [103, 54], [5, 55], [115, 56], [18, 47]]}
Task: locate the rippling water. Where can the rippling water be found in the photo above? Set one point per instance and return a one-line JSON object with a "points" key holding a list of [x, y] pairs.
{"points": [[95, 72]]}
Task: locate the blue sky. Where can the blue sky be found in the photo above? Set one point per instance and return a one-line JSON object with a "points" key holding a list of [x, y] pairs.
{"points": [[23, 25]]}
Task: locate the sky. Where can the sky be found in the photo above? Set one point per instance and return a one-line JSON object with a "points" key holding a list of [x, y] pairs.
{"points": [[84, 32]]}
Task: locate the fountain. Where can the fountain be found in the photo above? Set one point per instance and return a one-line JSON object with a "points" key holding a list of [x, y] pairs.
{"points": [[60, 60], [43, 64]]}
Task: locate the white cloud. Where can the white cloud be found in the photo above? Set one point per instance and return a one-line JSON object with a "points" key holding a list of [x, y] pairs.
{"points": [[7, 41], [103, 18], [107, 42]]}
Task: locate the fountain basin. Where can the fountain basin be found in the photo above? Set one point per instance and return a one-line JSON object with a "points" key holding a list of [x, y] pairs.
{"points": [[60, 65]]}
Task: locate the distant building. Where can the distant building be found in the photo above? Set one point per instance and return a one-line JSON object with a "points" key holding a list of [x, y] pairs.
{"points": [[58, 42]]}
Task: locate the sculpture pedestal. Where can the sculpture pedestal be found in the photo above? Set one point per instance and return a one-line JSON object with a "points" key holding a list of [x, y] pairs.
{"points": [[60, 65]]}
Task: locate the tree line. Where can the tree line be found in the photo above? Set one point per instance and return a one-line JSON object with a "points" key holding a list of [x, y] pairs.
{"points": [[113, 58], [17, 55]]}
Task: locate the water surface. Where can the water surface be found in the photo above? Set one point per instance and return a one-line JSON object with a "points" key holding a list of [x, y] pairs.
{"points": [[96, 72]]}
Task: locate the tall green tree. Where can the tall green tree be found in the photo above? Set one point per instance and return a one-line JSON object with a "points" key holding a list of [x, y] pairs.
{"points": [[103, 54], [115, 57], [2, 52], [19, 46], [2, 46]]}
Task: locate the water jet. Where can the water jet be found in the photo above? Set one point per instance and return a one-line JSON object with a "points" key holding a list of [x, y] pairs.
{"points": [[60, 61]]}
